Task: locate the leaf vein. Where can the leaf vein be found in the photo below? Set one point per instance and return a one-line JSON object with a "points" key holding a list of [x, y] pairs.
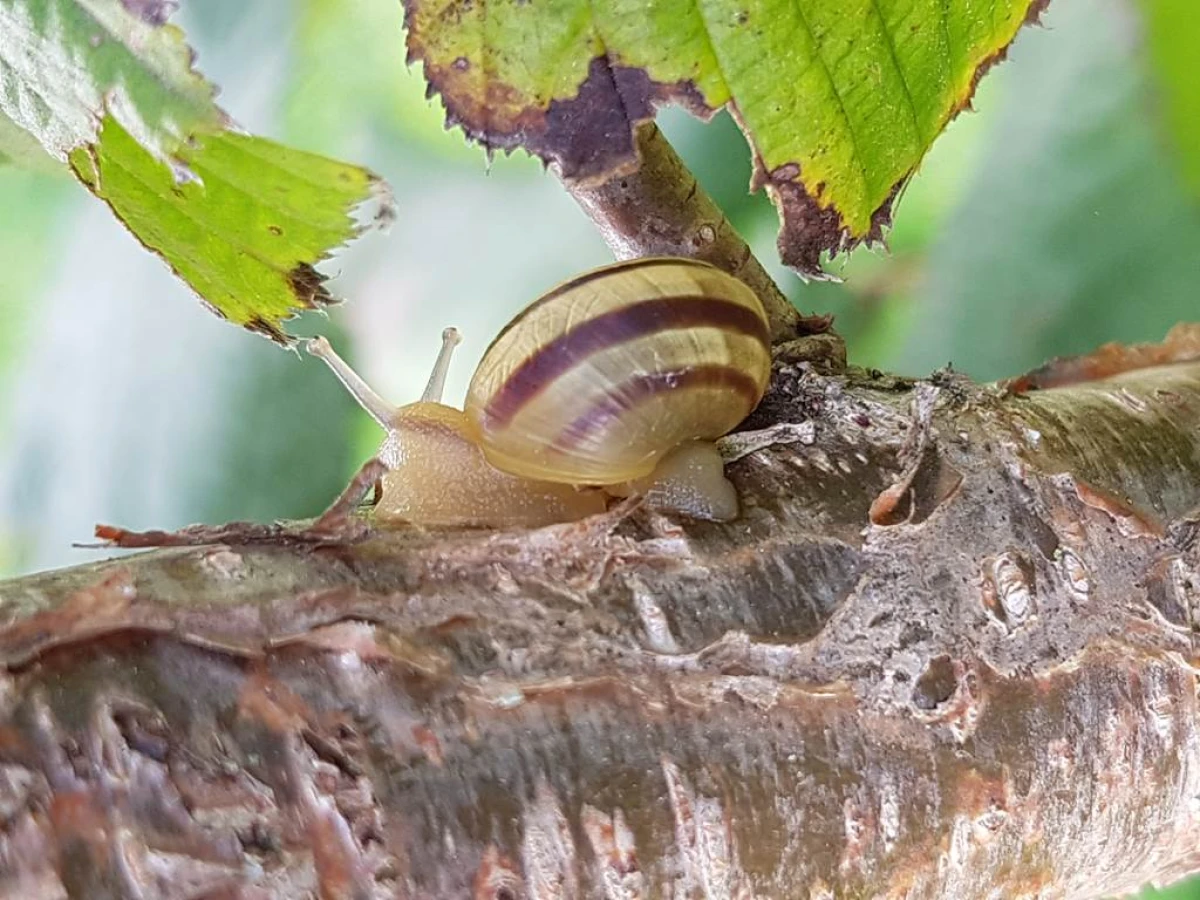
{"points": [[712, 46], [181, 209], [855, 144], [892, 52], [944, 22]]}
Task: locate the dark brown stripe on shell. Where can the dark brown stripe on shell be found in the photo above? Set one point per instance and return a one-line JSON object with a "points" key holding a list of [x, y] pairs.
{"points": [[640, 388], [609, 330], [603, 272]]}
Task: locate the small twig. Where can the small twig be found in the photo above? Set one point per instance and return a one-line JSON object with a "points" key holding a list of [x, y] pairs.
{"points": [[338, 519], [661, 210], [337, 524]]}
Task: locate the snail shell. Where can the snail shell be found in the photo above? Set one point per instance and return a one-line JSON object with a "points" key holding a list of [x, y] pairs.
{"points": [[598, 379]]}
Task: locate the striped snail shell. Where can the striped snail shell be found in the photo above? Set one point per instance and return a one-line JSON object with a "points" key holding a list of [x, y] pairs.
{"points": [[598, 379], [611, 384]]}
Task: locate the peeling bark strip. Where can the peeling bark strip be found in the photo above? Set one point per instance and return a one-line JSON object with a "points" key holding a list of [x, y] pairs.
{"points": [[1181, 342], [955, 692]]}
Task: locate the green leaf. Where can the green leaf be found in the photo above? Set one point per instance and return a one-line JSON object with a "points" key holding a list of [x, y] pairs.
{"points": [[1075, 229], [839, 98], [1173, 35], [241, 219], [64, 64], [107, 87]]}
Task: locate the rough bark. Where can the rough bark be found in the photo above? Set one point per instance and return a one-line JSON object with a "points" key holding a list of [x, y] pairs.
{"points": [[948, 651]]}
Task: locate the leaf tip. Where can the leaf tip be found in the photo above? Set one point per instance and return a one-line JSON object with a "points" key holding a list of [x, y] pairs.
{"points": [[308, 286], [269, 330], [374, 209], [1033, 17]]}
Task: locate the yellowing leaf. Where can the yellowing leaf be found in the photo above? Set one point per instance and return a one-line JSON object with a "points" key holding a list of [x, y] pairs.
{"points": [[242, 220], [107, 88], [839, 98]]}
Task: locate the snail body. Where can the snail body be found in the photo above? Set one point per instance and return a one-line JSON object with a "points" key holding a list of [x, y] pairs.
{"points": [[437, 475], [613, 383]]}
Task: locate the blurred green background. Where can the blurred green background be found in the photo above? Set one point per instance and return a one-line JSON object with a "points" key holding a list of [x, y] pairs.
{"points": [[1064, 213]]}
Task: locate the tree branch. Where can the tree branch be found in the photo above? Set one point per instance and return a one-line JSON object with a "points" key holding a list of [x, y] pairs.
{"points": [[661, 210], [947, 651]]}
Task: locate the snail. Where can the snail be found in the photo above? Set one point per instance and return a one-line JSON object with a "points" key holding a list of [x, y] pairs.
{"points": [[614, 383]]}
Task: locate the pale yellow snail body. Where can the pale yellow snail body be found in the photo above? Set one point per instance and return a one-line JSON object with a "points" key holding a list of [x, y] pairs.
{"points": [[613, 383]]}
